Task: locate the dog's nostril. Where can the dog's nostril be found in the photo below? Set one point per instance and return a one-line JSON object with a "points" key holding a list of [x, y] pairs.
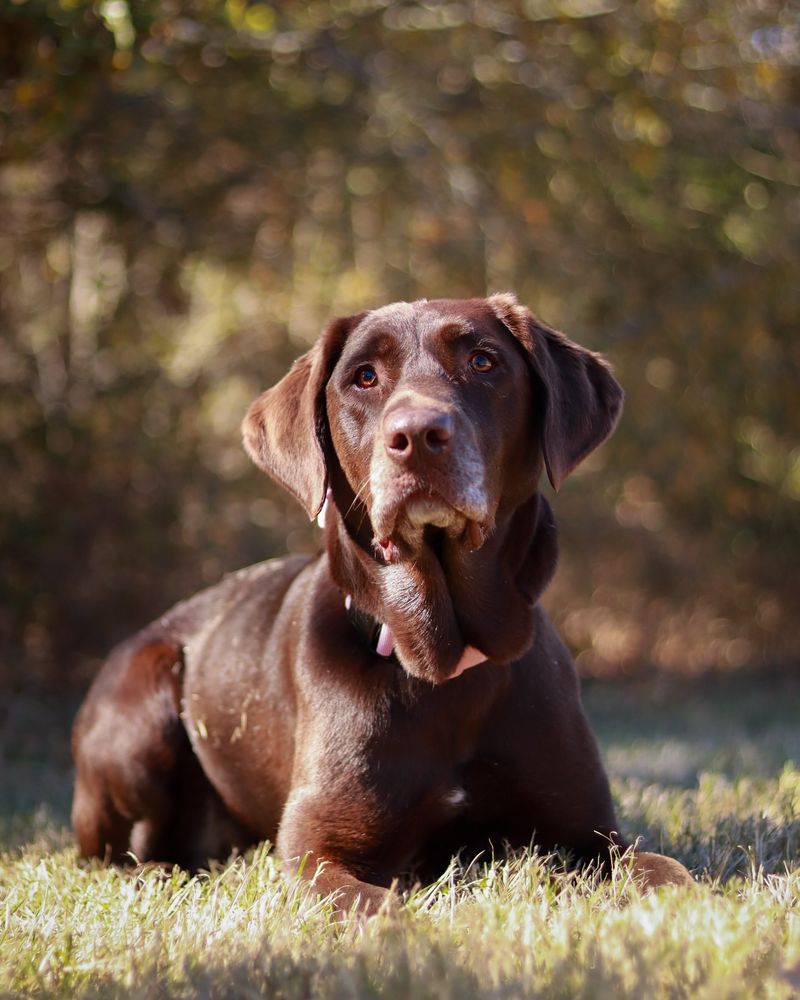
{"points": [[436, 438], [399, 443]]}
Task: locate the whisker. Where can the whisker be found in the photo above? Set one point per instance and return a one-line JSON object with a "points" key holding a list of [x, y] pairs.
{"points": [[357, 497]]}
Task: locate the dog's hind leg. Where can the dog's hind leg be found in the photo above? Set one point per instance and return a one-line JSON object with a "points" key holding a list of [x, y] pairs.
{"points": [[131, 752]]}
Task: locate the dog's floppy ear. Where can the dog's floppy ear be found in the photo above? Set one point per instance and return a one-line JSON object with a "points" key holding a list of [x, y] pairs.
{"points": [[285, 430], [582, 399]]}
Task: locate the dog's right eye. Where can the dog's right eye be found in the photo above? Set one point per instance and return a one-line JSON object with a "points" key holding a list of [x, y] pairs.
{"points": [[481, 363], [366, 377]]}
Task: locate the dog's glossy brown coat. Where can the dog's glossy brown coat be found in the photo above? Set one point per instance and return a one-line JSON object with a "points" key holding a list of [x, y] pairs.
{"points": [[257, 710]]}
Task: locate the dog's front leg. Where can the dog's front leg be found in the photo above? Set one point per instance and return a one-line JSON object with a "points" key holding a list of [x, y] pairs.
{"points": [[312, 844]]}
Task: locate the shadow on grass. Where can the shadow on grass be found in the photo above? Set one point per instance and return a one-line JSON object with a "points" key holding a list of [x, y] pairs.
{"points": [[670, 730], [35, 762]]}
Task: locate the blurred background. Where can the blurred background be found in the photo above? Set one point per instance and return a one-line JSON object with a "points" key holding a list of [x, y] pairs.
{"points": [[190, 190]]}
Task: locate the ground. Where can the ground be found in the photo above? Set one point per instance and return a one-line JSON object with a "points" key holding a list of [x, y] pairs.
{"points": [[708, 771]]}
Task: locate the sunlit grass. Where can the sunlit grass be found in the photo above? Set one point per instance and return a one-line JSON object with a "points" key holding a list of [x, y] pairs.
{"points": [[521, 927]]}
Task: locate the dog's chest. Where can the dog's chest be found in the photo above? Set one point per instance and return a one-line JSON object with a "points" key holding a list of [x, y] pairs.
{"points": [[444, 745]]}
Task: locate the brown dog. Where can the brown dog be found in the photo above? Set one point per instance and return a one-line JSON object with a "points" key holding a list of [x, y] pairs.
{"points": [[402, 695]]}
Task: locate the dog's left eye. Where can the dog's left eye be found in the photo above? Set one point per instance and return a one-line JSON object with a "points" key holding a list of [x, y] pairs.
{"points": [[366, 377], [481, 363]]}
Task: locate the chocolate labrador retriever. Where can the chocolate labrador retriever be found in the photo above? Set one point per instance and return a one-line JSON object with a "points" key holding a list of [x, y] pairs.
{"points": [[401, 696]]}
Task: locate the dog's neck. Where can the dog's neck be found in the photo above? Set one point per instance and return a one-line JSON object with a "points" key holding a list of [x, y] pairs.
{"points": [[442, 601]]}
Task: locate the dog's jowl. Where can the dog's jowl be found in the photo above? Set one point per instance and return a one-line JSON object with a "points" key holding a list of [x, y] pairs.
{"points": [[401, 696]]}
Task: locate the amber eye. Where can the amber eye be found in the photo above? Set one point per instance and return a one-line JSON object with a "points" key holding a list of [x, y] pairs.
{"points": [[481, 363], [366, 377]]}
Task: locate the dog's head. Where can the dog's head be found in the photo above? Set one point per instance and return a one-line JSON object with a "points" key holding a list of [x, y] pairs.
{"points": [[433, 416]]}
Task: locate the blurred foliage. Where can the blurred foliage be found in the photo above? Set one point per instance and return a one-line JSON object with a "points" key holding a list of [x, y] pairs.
{"points": [[190, 189]]}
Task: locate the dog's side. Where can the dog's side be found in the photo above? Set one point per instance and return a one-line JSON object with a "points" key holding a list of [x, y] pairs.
{"points": [[401, 696]]}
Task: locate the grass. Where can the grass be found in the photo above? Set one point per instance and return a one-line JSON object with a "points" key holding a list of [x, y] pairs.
{"points": [[707, 772]]}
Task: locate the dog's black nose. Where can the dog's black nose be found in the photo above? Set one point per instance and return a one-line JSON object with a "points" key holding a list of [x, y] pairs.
{"points": [[417, 432]]}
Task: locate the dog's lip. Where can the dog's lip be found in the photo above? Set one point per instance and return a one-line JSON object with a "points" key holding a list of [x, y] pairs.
{"points": [[429, 509], [422, 508]]}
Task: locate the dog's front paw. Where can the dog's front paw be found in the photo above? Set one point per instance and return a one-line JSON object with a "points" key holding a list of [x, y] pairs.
{"points": [[651, 871]]}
